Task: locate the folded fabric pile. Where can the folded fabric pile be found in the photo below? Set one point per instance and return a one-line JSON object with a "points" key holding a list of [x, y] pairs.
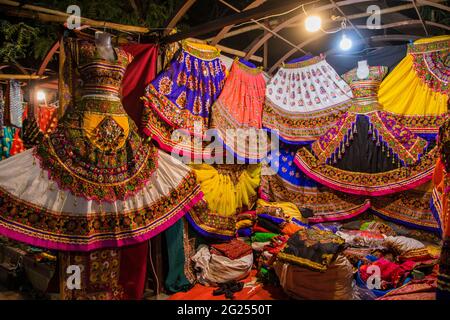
{"points": [[222, 263], [312, 248], [244, 223], [233, 249]]}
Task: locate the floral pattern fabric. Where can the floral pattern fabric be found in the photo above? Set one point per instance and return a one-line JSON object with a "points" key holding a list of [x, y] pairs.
{"points": [[304, 99]]}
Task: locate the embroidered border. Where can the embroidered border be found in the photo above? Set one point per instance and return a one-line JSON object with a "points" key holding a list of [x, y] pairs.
{"points": [[359, 183], [294, 127], [40, 227]]}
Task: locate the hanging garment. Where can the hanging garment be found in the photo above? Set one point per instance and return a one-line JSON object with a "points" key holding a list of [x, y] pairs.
{"points": [[440, 205], [17, 145], [140, 72], [228, 190], [180, 98], [48, 119], [418, 87], [291, 185], [179, 274], [7, 139], [304, 100], [106, 274], [237, 113], [93, 183], [410, 207], [2, 110], [368, 152], [15, 103]]}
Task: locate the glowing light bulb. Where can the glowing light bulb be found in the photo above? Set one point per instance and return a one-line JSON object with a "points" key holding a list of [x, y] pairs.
{"points": [[41, 95], [313, 23], [346, 43]]}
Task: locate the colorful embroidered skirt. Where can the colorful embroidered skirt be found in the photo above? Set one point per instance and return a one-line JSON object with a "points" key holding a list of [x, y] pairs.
{"points": [[304, 100], [291, 185], [240, 107], [180, 98], [419, 85], [410, 208], [228, 190], [57, 208], [370, 155]]}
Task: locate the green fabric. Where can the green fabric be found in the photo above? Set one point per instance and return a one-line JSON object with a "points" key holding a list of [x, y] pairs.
{"points": [[365, 225], [263, 236], [176, 280], [6, 141]]}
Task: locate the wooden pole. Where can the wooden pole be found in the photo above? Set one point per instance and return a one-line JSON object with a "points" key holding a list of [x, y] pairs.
{"points": [[4, 76], [50, 15]]}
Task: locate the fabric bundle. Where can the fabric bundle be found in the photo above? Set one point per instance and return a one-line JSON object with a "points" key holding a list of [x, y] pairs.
{"points": [[213, 268], [311, 248]]}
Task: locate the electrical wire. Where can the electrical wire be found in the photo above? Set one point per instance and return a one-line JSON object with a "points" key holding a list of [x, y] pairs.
{"points": [[277, 15], [153, 269]]}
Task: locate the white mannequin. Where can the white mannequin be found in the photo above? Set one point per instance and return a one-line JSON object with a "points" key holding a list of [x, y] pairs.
{"points": [[104, 47], [363, 69]]}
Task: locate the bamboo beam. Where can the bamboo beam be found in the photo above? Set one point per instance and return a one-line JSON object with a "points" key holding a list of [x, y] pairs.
{"points": [[433, 4], [403, 24], [177, 17], [4, 76], [226, 29], [420, 17], [50, 15], [269, 8], [267, 29], [48, 57], [228, 50], [238, 53], [292, 51]]}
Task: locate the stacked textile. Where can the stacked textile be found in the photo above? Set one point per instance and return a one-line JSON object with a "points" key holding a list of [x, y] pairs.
{"points": [[223, 262]]}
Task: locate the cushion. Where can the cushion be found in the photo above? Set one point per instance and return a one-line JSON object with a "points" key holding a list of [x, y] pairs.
{"points": [[403, 244], [358, 238], [312, 248]]}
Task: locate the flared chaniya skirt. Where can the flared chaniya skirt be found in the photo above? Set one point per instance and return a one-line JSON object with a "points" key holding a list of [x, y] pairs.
{"points": [[410, 208], [237, 113], [228, 190], [35, 210], [179, 99], [304, 100], [420, 84]]}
